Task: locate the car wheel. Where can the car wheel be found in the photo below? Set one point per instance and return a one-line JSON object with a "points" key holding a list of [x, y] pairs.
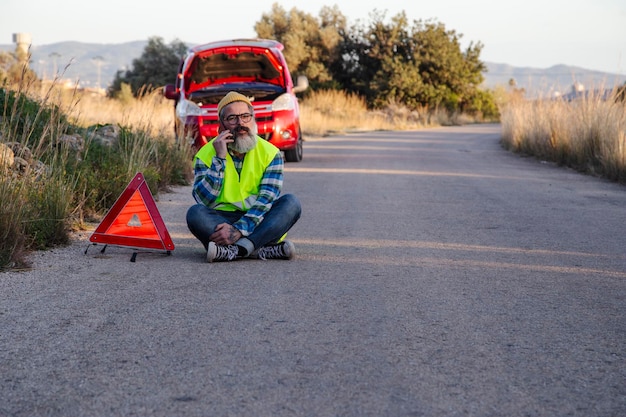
{"points": [[295, 154]]}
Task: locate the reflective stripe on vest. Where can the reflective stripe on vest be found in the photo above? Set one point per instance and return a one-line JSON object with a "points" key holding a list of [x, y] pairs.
{"points": [[239, 192]]}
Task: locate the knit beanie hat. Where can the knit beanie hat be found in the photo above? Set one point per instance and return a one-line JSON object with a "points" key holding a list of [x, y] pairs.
{"points": [[231, 98]]}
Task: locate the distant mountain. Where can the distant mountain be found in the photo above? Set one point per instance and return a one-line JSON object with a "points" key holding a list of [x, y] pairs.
{"points": [[558, 78], [89, 63], [81, 62]]}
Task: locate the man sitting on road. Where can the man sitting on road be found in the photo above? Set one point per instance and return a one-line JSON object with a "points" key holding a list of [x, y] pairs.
{"points": [[238, 178]]}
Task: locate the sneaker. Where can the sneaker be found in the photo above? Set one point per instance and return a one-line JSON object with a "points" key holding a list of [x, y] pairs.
{"points": [[218, 253], [282, 250]]}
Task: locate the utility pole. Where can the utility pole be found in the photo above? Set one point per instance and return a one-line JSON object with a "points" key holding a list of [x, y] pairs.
{"points": [[42, 69], [54, 56], [99, 61]]}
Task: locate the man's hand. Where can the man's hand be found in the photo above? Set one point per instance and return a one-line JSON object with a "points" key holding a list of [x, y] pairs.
{"points": [[220, 143], [225, 234]]}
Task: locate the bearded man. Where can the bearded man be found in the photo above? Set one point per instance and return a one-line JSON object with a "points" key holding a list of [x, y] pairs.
{"points": [[238, 178]]}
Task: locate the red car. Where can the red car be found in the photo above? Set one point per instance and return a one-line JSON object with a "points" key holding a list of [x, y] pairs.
{"points": [[253, 67]]}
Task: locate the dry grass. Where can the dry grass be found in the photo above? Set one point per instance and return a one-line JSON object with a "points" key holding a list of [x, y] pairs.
{"points": [[321, 112], [588, 134], [151, 113], [36, 205], [331, 112], [12, 215]]}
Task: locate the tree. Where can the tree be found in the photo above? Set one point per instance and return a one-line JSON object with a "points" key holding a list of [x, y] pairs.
{"points": [[15, 70], [311, 44], [7, 60], [416, 65], [156, 67], [374, 61], [454, 74]]}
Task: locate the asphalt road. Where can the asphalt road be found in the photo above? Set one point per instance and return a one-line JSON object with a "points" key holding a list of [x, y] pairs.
{"points": [[436, 275]]}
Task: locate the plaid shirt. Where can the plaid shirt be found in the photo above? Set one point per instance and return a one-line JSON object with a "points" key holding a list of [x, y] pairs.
{"points": [[208, 182]]}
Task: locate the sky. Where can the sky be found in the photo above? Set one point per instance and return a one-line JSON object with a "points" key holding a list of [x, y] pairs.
{"points": [[590, 34]]}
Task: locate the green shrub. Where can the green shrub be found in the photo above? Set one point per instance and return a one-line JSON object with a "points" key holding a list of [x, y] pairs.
{"points": [[39, 210], [12, 244], [173, 162], [104, 171], [28, 121], [48, 212]]}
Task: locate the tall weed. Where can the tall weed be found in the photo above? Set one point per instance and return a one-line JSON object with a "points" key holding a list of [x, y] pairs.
{"points": [[35, 202], [330, 111], [39, 208], [587, 134], [12, 214], [48, 212]]}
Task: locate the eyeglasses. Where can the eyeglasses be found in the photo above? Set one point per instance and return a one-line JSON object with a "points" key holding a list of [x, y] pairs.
{"points": [[232, 119]]}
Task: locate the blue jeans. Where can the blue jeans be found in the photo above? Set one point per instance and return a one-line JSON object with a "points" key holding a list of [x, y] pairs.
{"points": [[284, 213]]}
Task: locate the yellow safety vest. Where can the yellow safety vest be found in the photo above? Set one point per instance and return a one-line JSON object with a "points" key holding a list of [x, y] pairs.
{"points": [[239, 192]]}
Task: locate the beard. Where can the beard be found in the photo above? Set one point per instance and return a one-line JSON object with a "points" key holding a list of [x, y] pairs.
{"points": [[244, 143]]}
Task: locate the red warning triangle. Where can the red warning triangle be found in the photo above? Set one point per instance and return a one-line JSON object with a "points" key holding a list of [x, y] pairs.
{"points": [[134, 220]]}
